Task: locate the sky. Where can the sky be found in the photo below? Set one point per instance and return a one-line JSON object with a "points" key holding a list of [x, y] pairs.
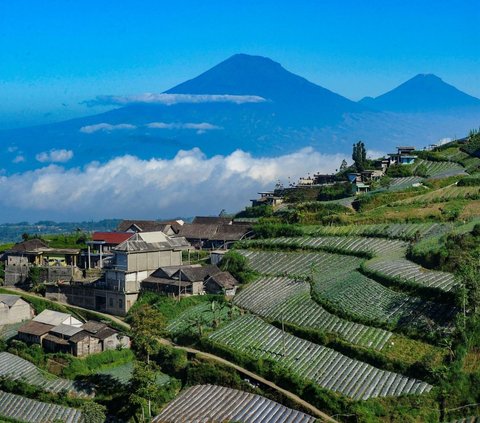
{"points": [[56, 54]]}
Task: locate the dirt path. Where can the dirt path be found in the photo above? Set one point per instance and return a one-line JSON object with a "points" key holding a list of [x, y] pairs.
{"points": [[313, 410]]}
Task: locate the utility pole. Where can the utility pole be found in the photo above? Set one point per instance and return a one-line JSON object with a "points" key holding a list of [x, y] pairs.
{"points": [[179, 283]]}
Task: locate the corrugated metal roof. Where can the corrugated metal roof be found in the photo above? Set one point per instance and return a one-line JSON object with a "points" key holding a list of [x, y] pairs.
{"points": [[8, 299], [35, 328], [55, 318], [65, 330]]}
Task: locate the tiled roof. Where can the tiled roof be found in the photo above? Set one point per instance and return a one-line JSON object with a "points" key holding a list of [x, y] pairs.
{"points": [[111, 237], [65, 330], [31, 245], [195, 274], [148, 225]]}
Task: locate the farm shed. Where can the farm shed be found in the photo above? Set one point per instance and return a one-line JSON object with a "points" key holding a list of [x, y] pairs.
{"points": [[13, 309], [221, 283], [33, 332]]}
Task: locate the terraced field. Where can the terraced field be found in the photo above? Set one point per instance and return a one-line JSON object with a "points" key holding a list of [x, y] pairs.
{"points": [[324, 366], [339, 244], [281, 298], [452, 192], [282, 263], [411, 273], [9, 331], [202, 403], [405, 231], [402, 183], [16, 368], [365, 299], [440, 169], [27, 410], [344, 288]]}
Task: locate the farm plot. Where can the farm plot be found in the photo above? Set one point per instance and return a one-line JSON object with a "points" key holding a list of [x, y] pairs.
{"points": [[405, 231], [353, 293], [280, 298], [16, 368], [28, 410], [440, 169], [282, 263], [9, 331], [411, 273], [123, 374], [324, 366], [452, 192], [402, 183], [216, 403], [340, 244]]}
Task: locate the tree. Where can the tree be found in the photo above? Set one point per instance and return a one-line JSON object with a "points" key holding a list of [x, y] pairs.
{"points": [[359, 156], [93, 412], [344, 165], [143, 387], [237, 265], [147, 326]]}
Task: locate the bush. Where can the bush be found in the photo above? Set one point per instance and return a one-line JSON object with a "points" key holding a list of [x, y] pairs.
{"points": [[237, 265], [274, 230], [257, 211], [399, 171], [471, 181]]}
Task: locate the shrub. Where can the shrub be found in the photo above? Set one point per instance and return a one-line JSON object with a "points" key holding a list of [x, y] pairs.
{"points": [[399, 171], [273, 230]]}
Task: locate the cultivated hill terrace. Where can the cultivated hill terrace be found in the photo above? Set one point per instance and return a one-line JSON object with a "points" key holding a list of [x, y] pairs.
{"points": [[351, 297]]}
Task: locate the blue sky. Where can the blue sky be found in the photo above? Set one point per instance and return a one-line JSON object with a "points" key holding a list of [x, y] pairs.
{"points": [[55, 54]]}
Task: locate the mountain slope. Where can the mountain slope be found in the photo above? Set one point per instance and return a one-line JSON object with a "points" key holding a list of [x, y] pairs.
{"points": [[422, 93]]}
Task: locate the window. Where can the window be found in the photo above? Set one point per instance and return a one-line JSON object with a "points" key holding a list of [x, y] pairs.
{"points": [[120, 303], [111, 302]]}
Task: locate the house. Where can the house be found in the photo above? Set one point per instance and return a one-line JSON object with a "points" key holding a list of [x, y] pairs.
{"points": [[371, 175], [33, 332], [133, 260], [360, 188], [54, 263], [305, 181], [404, 155], [14, 310], [212, 236], [179, 280], [56, 318], [324, 179], [267, 198], [99, 249], [354, 177], [170, 227], [221, 283], [88, 338]]}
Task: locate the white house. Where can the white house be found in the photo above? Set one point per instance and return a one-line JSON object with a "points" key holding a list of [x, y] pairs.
{"points": [[13, 309]]}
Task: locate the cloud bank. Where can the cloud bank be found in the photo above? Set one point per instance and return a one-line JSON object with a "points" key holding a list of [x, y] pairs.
{"points": [[55, 156], [105, 127], [171, 99], [127, 186]]}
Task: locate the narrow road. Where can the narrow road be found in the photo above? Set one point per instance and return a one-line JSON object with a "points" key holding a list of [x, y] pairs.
{"points": [[312, 409]]}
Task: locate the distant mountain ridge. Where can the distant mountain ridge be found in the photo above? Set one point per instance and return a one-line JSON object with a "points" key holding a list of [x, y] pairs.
{"points": [[296, 113], [422, 93]]}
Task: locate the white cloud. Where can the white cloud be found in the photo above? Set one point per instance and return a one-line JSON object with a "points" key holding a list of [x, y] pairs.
{"points": [[170, 99], [188, 184], [55, 156], [199, 127], [106, 127], [18, 159], [12, 149]]}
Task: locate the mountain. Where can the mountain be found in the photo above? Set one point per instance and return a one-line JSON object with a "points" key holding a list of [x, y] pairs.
{"points": [[423, 93], [250, 103]]}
